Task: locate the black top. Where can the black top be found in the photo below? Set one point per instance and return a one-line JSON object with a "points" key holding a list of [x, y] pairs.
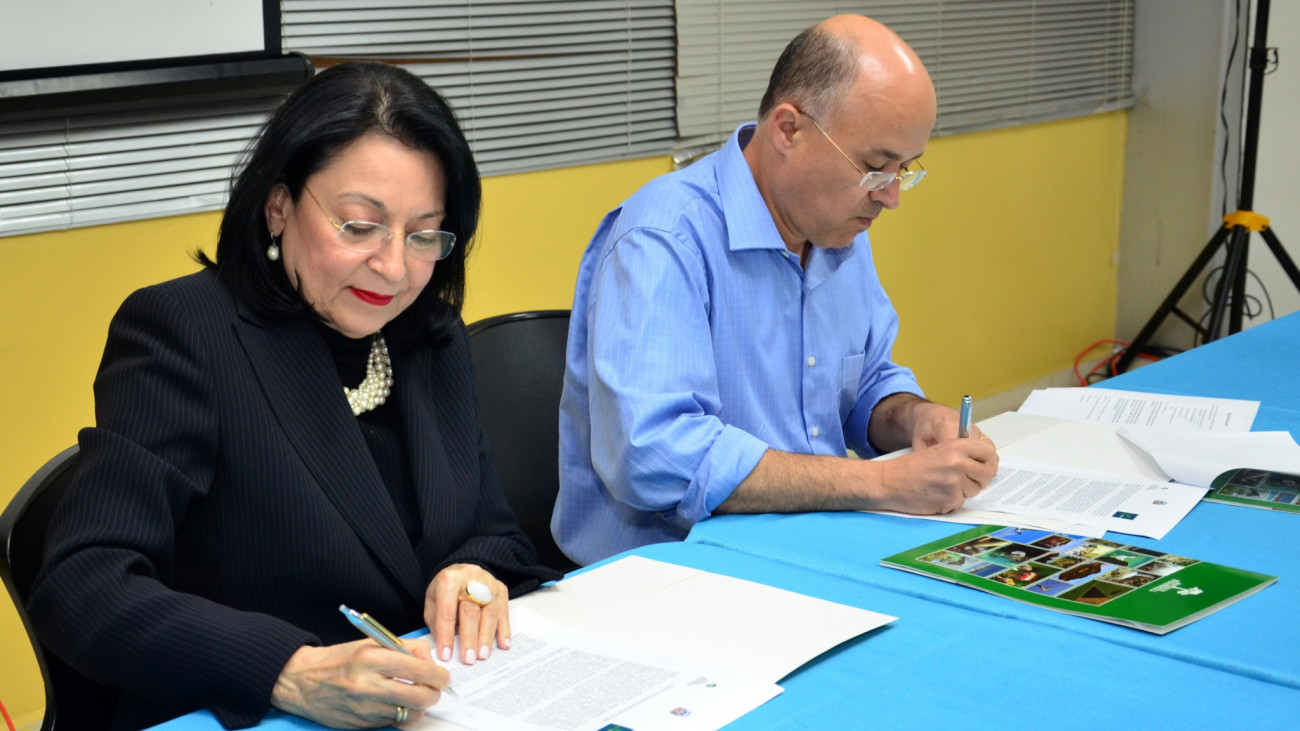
{"points": [[381, 426]]}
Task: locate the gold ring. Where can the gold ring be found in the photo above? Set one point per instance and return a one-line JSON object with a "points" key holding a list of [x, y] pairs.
{"points": [[401, 714], [477, 592]]}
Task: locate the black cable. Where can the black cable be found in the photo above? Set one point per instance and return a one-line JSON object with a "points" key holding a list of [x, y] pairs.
{"points": [[1252, 308], [1223, 109], [1264, 289]]}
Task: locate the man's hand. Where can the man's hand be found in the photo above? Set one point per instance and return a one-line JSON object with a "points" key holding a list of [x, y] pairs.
{"points": [[943, 471], [936, 479], [934, 423]]}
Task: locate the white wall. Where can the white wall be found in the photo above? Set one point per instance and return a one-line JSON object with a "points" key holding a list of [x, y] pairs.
{"points": [[1173, 189], [1277, 181]]}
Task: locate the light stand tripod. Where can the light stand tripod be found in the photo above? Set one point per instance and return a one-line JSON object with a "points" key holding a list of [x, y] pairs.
{"points": [[1230, 298]]}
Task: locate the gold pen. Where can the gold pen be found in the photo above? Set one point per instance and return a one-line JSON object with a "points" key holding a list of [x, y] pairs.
{"points": [[371, 628]]}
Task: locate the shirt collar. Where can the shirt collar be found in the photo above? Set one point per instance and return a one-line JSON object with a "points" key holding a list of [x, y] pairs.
{"points": [[748, 218]]}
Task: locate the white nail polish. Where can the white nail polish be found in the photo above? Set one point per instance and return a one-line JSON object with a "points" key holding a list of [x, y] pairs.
{"points": [[446, 654], [484, 651], [470, 657]]}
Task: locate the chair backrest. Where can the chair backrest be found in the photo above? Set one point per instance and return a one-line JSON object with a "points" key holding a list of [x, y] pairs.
{"points": [[71, 700], [518, 376]]}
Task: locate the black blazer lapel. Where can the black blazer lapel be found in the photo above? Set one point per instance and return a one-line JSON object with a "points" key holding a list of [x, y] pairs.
{"points": [[300, 383], [430, 465]]}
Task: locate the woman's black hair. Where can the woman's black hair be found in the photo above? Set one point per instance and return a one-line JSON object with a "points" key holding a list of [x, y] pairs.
{"points": [[334, 109]]}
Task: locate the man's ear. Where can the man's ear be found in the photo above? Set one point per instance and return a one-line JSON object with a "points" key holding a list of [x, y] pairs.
{"points": [[783, 127], [278, 203]]}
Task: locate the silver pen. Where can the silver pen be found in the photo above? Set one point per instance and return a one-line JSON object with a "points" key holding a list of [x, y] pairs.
{"points": [[963, 422]]}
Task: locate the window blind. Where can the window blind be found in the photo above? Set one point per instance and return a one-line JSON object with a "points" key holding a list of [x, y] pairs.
{"points": [[994, 63], [536, 84], [85, 170]]}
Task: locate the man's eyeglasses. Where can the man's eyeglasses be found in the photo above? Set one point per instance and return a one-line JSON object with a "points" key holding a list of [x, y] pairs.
{"points": [[367, 236], [877, 179]]}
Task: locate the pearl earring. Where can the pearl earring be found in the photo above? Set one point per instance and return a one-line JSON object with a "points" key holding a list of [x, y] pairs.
{"points": [[273, 251]]}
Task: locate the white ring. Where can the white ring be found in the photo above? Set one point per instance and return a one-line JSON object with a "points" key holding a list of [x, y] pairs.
{"points": [[478, 592]]}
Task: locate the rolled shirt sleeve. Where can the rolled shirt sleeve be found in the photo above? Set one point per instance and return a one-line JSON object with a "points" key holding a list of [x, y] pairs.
{"points": [[657, 440]]}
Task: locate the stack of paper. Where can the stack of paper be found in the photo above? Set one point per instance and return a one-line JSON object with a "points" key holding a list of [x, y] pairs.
{"points": [[643, 644]]}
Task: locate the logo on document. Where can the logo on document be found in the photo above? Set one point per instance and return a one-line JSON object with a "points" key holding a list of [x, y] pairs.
{"points": [[1178, 587], [1159, 502], [1125, 516], [679, 711]]}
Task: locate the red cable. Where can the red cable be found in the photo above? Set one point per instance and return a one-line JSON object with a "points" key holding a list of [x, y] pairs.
{"points": [[1083, 381], [8, 720], [1108, 363]]}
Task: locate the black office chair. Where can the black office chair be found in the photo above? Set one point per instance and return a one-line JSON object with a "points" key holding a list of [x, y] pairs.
{"points": [[518, 375], [71, 700]]}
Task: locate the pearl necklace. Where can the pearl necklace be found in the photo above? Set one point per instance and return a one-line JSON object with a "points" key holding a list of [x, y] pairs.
{"points": [[378, 383]]}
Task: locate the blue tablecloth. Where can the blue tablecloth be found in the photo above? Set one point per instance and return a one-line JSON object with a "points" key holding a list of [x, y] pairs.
{"points": [[959, 658], [944, 665], [1253, 637]]}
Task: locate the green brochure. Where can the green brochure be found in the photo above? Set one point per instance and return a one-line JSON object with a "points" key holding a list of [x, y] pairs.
{"points": [[1143, 588], [1257, 489]]}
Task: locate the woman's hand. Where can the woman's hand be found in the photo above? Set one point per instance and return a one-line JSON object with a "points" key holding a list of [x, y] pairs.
{"points": [[445, 609], [359, 684]]}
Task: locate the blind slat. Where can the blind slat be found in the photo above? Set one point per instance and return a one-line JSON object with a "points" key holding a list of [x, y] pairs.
{"points": [[535, 83], [994, 62]]}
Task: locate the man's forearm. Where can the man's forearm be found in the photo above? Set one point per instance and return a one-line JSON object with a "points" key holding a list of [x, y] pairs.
{"points": [[784, 482]]}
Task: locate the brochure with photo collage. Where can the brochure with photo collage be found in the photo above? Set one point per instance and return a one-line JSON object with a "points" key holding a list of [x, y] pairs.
{"points": [[1256, 489], [1143, 588]]}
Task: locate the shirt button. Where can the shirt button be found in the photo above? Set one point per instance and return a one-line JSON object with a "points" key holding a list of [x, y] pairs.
{"points": [[812, 361], [816, 431]]}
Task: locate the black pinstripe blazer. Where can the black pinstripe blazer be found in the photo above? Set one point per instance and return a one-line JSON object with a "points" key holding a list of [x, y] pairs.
{"points": [[226, 503]]}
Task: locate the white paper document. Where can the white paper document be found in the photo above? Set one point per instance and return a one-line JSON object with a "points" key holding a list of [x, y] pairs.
{"points": [[700, 616], [1097, 447], [1124, 505], [643, 644], [1196, 459], [1005, 428], [1131, 408], [557, 678]]}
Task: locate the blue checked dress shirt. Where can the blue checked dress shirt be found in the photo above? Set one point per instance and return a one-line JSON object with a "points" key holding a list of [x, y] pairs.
{"points": [[697, 342]]}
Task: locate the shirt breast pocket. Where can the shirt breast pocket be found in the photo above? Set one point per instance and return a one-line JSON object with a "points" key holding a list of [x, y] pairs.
{"points": [[850, 376]]}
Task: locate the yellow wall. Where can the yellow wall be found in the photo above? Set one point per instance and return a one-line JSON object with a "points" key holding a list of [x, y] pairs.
{"points": [[1000, 265]]}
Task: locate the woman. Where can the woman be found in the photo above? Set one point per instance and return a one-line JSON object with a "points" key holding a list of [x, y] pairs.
{"points": [[291, 429]]}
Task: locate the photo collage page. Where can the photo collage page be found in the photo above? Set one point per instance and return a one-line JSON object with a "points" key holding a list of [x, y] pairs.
{"points": [[1090, 571], [1274, 488]]}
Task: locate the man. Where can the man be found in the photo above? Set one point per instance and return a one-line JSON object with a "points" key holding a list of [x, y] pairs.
{"points": [[730, 337]]}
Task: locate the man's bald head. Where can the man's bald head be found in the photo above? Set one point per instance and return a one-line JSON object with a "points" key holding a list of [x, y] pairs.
{"points": [[826, 62]]}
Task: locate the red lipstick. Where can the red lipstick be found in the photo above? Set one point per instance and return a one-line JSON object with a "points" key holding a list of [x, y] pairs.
{"points": [[371, 298]]}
